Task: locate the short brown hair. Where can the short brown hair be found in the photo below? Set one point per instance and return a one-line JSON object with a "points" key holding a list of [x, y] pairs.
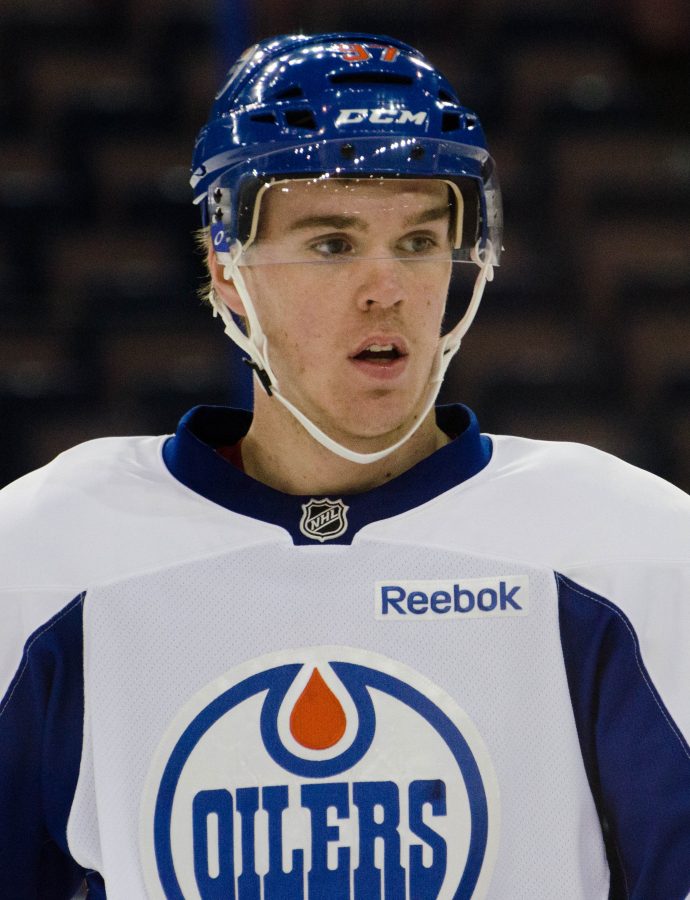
{"points": [[202, 240]]}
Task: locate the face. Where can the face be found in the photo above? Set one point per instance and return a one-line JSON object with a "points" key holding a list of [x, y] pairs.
{"points": [[349, 281]]}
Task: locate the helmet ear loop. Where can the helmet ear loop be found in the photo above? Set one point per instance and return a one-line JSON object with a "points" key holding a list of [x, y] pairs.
{"points": [[231, 272], [254, 344], [257, 343], [221, 311], [450, 343], [483, 258]]}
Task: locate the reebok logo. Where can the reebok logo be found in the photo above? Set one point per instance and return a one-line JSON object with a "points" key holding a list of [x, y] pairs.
{"points": [[469, 598]]}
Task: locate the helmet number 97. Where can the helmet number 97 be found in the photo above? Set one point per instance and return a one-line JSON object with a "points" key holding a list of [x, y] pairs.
{"points": [[360, 53]]}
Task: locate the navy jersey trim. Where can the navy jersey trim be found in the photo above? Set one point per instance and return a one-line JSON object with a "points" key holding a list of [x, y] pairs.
{"points": [[41, 726], [637, 761], [192, 459]]}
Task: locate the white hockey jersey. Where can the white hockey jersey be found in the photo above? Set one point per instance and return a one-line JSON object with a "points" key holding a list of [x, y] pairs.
{"points": [[471, 681]]}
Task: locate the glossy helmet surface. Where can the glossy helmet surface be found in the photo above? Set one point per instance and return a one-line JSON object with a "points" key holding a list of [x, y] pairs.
{"points": [[339, 105]]}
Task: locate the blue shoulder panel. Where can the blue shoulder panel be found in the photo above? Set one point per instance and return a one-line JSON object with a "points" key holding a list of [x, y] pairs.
{"points": [[637, 760], [41, 724]]}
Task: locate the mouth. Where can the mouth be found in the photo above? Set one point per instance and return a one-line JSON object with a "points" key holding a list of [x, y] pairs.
{"points": [[381, 356], [379, 353], [379, 349]]}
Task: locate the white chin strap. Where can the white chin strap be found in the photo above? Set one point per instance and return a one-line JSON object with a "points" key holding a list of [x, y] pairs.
{"points": [[255, 346]]}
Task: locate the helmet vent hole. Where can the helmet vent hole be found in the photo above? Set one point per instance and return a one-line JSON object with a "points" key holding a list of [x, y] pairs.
{"points": [[471, 122], [450, 121], [300, 118], [446, 97], [371, 78], [269, 118], [289, 93]]}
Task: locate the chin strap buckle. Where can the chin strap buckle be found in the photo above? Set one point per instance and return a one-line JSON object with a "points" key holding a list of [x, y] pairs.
{"points": [[261, 373]]}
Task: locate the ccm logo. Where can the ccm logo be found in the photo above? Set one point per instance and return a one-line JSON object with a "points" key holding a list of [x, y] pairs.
{"points": [[471, 598], [380, 116]]}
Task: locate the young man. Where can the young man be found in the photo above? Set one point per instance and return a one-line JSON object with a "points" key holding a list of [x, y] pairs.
{"points": [[346, 646]]}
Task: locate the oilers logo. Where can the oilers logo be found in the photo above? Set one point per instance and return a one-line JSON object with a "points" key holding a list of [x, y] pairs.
{"points": [[320, 773]]}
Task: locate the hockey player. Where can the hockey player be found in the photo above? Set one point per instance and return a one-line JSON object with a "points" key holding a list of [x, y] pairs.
{"points": [[346, 646]]}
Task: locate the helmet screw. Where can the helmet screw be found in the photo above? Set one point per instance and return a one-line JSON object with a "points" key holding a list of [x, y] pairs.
{"points": [[417, 152], [347, 151]]}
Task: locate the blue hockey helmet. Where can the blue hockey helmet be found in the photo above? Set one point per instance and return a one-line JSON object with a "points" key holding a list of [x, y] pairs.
{"points": [[341, 105]]}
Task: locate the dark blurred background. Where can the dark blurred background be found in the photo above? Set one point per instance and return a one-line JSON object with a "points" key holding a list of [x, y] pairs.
{"points": [[585, 333]]}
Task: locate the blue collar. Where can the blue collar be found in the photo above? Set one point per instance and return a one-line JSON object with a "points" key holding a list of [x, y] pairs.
{"points": [[191, 458]]}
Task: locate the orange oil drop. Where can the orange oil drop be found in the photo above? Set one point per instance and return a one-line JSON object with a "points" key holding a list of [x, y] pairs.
{"points": [[317, 720]]}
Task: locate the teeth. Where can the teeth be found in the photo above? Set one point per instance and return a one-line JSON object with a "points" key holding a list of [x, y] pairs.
{"points": [[380, 348]]}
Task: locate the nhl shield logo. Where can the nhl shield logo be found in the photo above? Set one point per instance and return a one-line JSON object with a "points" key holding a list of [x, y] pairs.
{"points": [[323, 520]]}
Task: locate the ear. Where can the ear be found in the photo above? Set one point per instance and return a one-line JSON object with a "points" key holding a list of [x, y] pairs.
{"points": [[224, 288]]}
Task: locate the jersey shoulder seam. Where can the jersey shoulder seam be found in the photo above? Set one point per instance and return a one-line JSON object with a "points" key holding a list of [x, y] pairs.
{"points": [[33, 638], [578, 589]]}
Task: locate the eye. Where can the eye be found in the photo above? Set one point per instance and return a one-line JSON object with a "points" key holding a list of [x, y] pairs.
{"points": [[332, 246], [419, 243]]}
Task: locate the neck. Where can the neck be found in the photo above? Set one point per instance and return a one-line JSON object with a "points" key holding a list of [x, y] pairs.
{"points": [[295, 463]]}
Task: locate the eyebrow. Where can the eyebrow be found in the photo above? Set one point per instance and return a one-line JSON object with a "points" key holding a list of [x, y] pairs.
{"points": [[429, 215], [335, 222], [339, 223]]}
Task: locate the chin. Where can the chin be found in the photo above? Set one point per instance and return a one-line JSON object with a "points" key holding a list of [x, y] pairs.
{"points": [[371, 424]]}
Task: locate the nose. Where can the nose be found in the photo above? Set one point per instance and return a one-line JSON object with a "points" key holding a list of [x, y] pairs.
{"points": [[379, 282]]}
